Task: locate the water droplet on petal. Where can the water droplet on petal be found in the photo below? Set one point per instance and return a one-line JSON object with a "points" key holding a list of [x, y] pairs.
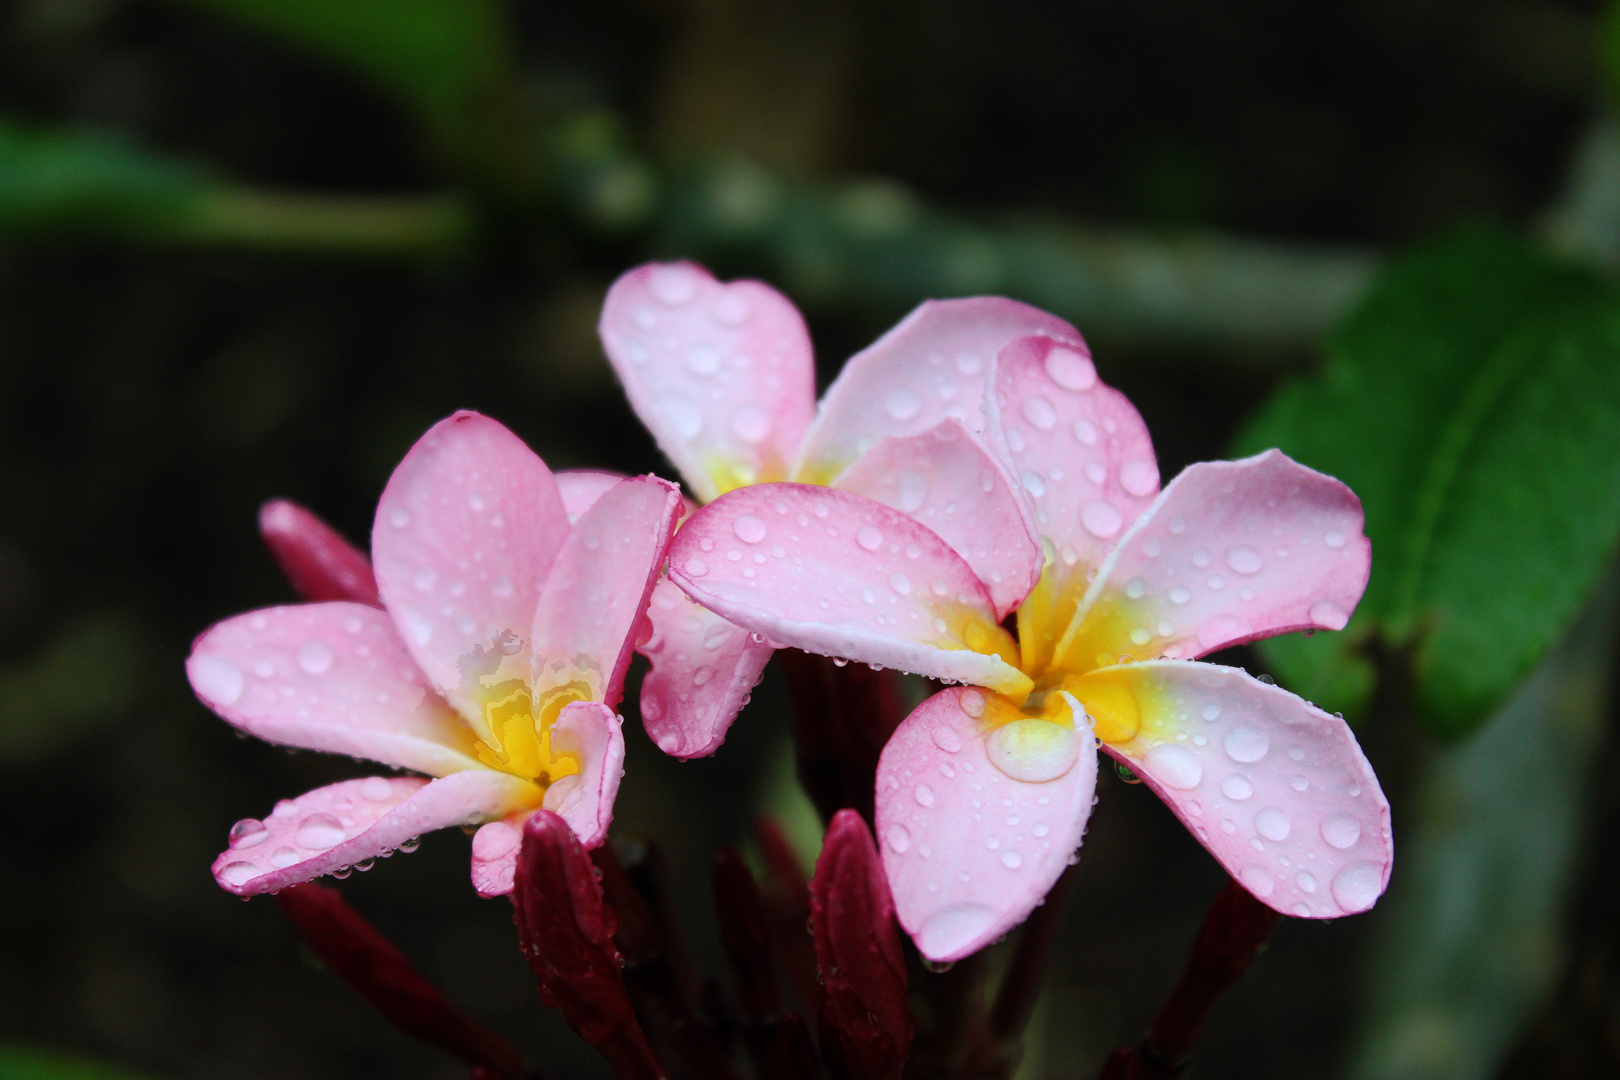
{"points": [[972, 703], [1334, 539], [1085, 432], [314, 657], [703, 359], [902, 404], [376, 789], [249, 832], [1070, 370], [218, 680], [869, 538], [1273, 824], [673, 285], [1237, 787], [952, 929], [1244, 560], [1101, 518], [749, 529], [1245, 745], [924, 795], [1327, 613], [899, 838], [1033, 750], [319, 831], [1341, 831], [1011, 860], [947, 738], [400, 518], [1180, 594], [1357, 886], [1040, 413], [1175, 767], [900, 583], [1257, 880], [1139, 477], [1306, 882], [696, 567]]}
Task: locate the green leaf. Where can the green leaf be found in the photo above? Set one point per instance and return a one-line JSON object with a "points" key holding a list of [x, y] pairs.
{"points": [[76, 182], [1472, 400], [24, 1063], [448, 61]]}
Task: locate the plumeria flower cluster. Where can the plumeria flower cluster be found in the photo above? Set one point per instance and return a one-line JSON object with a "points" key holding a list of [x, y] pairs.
{"points": [[487, 655], [967, 466]]}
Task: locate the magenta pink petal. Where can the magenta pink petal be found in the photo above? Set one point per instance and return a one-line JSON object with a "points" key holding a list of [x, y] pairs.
{"points": [[596, 598], [721, 374], [465, 535], [580, 488], [318, 561], [1233, 551], [1274, 787], [947, 480], [969, 850], [1078, 448], [836, 573], [332, 677], [594, 735], [703, 669], [351, 822], [930, 366]]}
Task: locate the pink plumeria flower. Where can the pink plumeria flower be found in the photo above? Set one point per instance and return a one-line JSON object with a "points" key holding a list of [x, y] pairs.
{"points": [[492, 667], [983, 794], [723, 376]]}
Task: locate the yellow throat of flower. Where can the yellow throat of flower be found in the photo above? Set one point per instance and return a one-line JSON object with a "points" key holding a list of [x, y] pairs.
{"points": [[519, 739]]}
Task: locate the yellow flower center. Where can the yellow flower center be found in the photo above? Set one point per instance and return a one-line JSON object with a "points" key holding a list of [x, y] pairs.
{"points": [[519, 739]]}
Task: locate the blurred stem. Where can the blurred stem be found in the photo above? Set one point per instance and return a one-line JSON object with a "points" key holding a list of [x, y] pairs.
{"points": [[324, 224]]}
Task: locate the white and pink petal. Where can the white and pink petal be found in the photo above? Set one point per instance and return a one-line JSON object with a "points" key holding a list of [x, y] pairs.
{"points": [[353, 821], [946, 479], [703, 670], [333, 677], [722, 374], [932, 365], [1231, 551], [1275, 788], [977, 816], [465, 535], [580, 488], [835, 573], [595, 600]]}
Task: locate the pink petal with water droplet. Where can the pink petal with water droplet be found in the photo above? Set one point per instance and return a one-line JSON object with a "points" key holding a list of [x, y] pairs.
{"points": [[465, 534], [318, 561], [703, 669], [722, 374], [930, 366], [580, 488], [595, 736], [333, 677], [969, 851], [854, 579], [596, 597], [1078, 447], [350, 822], [1274, 787], [947, 480], [1233, 551]]}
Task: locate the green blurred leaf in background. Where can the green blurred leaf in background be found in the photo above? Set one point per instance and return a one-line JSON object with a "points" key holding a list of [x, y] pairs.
{"points": [[1472, 400], [24, 1063]]}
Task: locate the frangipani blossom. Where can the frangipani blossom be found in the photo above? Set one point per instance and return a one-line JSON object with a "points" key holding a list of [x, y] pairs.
{"points": [[723, 376], [983, 794], [493, 666]]}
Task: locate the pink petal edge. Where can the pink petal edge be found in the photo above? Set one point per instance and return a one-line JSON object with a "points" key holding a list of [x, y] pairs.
{"points": [[930, 366], [1233, 551], [595, 600], [835, 573], [580, 488], [962, 877], [722, 374], [947, 480], [332, 677], [703, 670], [466, 532], [1275, 788], [352, 821]]}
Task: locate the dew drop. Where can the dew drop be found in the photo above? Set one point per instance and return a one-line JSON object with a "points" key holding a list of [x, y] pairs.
{"points": [[1101, 518], [319, 831], [238, 873], [400, 518], [1237, 787], [900, 583], [376, 789], [947, 738], [1245, 745], [1257, 879], [702, 675], [1011, 860], [972, 703], [1244, 560], [314, 657], [696, 567], [1273, 823], [1139, 477], [1334, 539], [749, 529], [1033, 483], [703, 359], [869, 538], [1085, 432], [673, 285], [1341, 831], [1180, 594], [899, 838], [1306, 881], [902, 404], [1357, 886], [1033, 750], [680, 414], [1040, 413], [249, 832], [924, 795], [218, 680], [1175, 767], [913, 490], [1327, 613]]}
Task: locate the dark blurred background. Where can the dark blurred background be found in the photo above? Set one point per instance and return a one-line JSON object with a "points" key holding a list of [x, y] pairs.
{"points": [[151, 397]]}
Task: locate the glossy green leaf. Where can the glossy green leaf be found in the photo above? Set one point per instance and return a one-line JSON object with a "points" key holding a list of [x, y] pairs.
{"points": [[1472, 400], [26, 1063], [448, 61]]}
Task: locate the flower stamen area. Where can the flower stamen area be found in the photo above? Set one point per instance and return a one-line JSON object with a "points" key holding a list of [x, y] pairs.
{"points": [[519, 740]]}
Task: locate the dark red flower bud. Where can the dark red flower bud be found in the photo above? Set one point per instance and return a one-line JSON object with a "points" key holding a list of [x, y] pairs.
{"points": [[320, 563], [858, 952], [746, 936], [372, 967]]}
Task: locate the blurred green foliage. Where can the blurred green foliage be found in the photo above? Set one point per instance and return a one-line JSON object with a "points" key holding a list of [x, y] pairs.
{"points": [[22, 1063], [83, 680], [1472, 400]]}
